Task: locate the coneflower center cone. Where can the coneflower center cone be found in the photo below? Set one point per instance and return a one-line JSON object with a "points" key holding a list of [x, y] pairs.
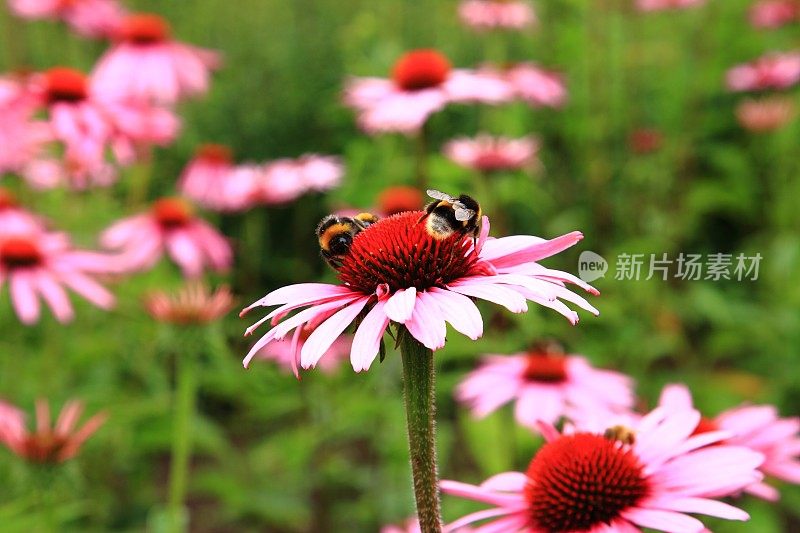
{"points": [[215, 153], [544, 368], [420, 69], [7, 200], [19, 252], [581, 481], [43, 446], [65, 85], [399, 252], [145, 28], [172, 212]]}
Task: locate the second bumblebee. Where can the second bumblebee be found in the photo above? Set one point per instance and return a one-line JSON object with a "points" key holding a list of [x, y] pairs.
{"points": [[447, 215], [335, 235]]}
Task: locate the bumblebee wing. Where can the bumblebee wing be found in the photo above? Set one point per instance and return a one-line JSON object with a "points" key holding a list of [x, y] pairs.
{"points": [[439, 195], [462, 213]]}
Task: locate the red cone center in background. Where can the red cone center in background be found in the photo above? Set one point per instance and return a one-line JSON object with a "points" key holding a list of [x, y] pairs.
{"points": [[396, 200], [581, 481], [7, 199], [214, 153], [65, 85], [43, 446], [399, 251], [172, 212], [544, 368], [19, 252], [421, 69], [706, 425], [145, 28]]}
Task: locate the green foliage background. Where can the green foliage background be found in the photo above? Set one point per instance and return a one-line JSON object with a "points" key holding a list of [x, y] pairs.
{"points": [[328, 453]]}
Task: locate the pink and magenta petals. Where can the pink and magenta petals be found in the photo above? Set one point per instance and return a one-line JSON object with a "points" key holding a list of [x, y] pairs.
{"points": [[366, 341], [23, 296], [298, 294], [323, 337], [427, 324], [400, 306], [668, 521]]}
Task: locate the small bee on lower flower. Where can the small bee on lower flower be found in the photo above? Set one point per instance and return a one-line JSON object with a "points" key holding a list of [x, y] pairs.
{"points": [[336, 234], [447, 215], [622, 434]]}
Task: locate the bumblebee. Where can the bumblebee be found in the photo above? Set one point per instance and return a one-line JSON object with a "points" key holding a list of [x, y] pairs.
{"points": [[447, 215], [335, 235], [622, 434]]}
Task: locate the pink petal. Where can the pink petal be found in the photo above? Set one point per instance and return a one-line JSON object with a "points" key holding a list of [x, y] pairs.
{"points": [[55, 296], [700, 506], [426, 324], [366, 341], [298, 293], [676, 396], [460, 312], [511, 300], [23, 296], [664, 520], [400, 305], [326, 333]]}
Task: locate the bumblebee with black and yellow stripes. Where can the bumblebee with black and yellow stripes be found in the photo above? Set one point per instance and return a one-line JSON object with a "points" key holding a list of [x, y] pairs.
{"points": [[447, 215], [622, 434], [336, 234]]}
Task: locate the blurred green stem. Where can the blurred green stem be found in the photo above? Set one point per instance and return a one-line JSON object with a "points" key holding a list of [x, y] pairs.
{"points": [[419, 380], [140, 179], [181, 440], [421, 158]]}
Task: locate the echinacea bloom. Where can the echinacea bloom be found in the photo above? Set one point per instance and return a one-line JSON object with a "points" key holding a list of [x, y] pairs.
{"points": [[192, 304], [596, 483], [773, 71], [206, 176], [90, 18], [39, 264], [170, 227], [485, 153], [89, 122], [395, 271], [765, 114], [546, 385], [394, 200], [48, 444], [13, 218], [284, 180], [422, 83], [283, 352], [774, 13], [147, 63], [536, 86], [661, 5], [757, 427], [22, 138], [496, 14]]}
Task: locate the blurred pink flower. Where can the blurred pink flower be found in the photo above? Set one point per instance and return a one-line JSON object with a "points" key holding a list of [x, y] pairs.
{"points": [[774, 13], [146, 63], [396, 271], [766, 114], [757, 427], [90, 18], [205, 178], [485, 153], [660, 5], [776, 70], [422, 83], [491, 14], [47, 444], [194, 303], [39, 264], [283, 180], [546, 385], [22, 138], [537, 86], [283, 351], [618, 486], [170, 227], [14, 219]]}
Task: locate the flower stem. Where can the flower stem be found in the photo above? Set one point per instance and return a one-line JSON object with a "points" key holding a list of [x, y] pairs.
{"points": [[181, 441], [421, 158], [418, 378]]}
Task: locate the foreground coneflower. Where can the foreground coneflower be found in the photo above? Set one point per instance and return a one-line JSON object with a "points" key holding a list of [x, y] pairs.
{"points": [[147, 63], [37, 264], [496, 14], [758, 427], [546, 385], [649, 477], [47, 444], [170, 227], [422, 83], [283, 351], [396, 273]]}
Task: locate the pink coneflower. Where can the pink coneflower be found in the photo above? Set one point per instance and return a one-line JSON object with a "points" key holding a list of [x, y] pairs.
{"points": [[38, 264], [774, 13], [284, 180], [485, 153], [394, 200], [661, 5], [595, 483], [91, 18], [170, 227], [14, 219], [546, 385], [192, 304], [422, 83], [536, 85], [89, 122], [146, 63], [48, 444], [758, 427], [773, 71], [283, 351], [206, 176], [22, 138], [645, 140], [395, 271], [765, 114], [494, 14]]}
